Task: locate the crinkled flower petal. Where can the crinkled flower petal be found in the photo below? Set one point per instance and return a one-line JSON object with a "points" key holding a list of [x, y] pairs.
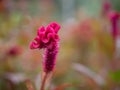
{"points": [[46, 36], [55, 26], [40, 30], [34, 45]]}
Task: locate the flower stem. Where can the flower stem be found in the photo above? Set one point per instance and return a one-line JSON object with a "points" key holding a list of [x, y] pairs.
{"points": [[44, 81]]}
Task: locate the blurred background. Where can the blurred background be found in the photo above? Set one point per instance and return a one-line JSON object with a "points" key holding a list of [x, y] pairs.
{"points": [[89, 55]]}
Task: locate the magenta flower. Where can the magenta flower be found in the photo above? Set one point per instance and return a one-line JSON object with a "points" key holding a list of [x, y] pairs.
{"points": [[45, 36], [48, 39], [114, 17]]}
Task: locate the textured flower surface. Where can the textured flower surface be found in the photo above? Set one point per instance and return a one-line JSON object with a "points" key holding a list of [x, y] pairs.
{"points": [[46, 36], [50, 57]]}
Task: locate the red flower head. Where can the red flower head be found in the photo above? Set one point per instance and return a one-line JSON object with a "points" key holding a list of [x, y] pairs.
{"points": [[47, 38]]}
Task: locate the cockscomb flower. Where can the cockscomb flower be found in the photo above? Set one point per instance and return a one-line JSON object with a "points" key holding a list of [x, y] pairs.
{"points": [[46, 36], [48, 39]]}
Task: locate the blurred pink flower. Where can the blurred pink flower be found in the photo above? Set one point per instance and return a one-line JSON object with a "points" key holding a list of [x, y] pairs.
{"points": [[84, 31], [114, 17], [106, 7], [14, 51], [47, 38]]}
